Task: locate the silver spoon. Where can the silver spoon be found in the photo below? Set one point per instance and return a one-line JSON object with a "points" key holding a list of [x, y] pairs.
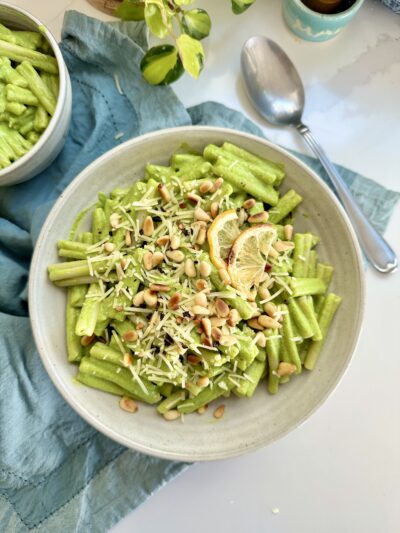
{"points": [[276, 91]]}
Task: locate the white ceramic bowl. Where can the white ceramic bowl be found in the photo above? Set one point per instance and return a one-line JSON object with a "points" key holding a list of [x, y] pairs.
{"points": [[53, 138], [248, 423]]}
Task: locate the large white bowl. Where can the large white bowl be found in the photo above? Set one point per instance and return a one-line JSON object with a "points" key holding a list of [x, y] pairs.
{"points": [[248, 423], [43, 153]]}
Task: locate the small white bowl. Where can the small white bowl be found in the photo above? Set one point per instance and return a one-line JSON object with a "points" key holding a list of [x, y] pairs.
{"points": [[248, 423], [53, 138]]}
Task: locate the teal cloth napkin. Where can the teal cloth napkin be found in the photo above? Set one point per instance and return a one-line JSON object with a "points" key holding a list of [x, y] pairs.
{"points": [[56, 472]]}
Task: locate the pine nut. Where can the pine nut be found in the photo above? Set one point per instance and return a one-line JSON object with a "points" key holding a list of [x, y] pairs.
{"points": [[150, 298], [193, 359], [171, 415], [258, 218], [260, 339], [201, 299], [217, 322], [216, 334], [217, 184], [87, 339], [176, 256], [288, 232], [163, 241], [159, 287], [190, 269], [175, 242], [254, 324], [173, 302], [285, 369], [201, 236], [139, 326], [273, 253], [164, 193], [114, 220], [200, 310], [234, 317], [263, 292], [194, 198], [242, 217], [268, 322], [283, 246], [201, 410], [130, 336], [204, 269], [148, 260], [221, 308], [138, 299], [127, 359], [109, 247], [248, 204], [227, 340], [204, 381], [148, 226], [224, 276], [128, 238], [206, 323], [219, 411], [214, 209], [200, 214], [205, 187], [271, 309], [119, 271], [127, 404], [157, 259], [202, 285]]}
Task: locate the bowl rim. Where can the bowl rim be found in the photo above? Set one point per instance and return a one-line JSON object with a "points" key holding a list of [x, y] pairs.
{"points": [[63, 77], [54, 375]]}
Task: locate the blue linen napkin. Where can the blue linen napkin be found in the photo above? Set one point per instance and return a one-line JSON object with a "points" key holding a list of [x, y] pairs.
{"points": [[57, 472]]}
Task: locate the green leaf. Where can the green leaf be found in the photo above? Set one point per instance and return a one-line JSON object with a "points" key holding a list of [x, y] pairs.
{"points": [[196, 23], [161, 65], [157, 18], [239, 6], [130, 10], [191, 53]]}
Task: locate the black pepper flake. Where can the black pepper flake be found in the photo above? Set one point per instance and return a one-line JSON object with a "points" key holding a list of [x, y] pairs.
{"points": [[267, 267]]}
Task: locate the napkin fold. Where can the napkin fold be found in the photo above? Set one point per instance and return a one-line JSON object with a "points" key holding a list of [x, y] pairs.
{"points": [[56, 471]]}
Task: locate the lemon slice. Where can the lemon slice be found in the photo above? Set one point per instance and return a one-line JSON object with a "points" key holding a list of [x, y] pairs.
{"points": [[249, 255], [221, 234]]}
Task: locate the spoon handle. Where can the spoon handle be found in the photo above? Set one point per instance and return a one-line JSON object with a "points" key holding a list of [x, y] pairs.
{"points": [[377, 250]]}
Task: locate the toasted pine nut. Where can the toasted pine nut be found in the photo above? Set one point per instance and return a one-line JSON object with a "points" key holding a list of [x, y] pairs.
{"points": [[204, 381], [268, 322], [216, 334], [285, 369], [217, 322], [128, 238], [263, 292], [114, 220], [176, 256], [138, 299], [201, 299], [200, 214], [87, 339], [201, 410], [173, 302], [260, 339], [283, 246], [205, 187], [234, 317], [258, 218], [148, 260], [204, 269], [254, 324], [201, 236], [162, 241], [227, 340], [193, 359], [109, 247], [200, 310], [214, 209], [173, 414], [271, 309], [219, 411], [127, 404], [139, 325], [150, 298], [217, 184], [194, 198], [206, 323], [148, 226], [202, 285], [248, 204], [288, 232], [242, 217], [175, 242], [164, 193], [273, 253], [127, 359], [221, 308], [130, 336], [224, 276], [159, 287], [190, 269], [157, 259]]}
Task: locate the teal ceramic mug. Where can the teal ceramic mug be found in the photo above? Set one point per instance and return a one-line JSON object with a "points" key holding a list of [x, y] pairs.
{"points": [[313, 26]]}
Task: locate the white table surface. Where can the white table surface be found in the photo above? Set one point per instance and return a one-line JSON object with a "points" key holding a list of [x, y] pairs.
{"points": [[340, 471]]}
